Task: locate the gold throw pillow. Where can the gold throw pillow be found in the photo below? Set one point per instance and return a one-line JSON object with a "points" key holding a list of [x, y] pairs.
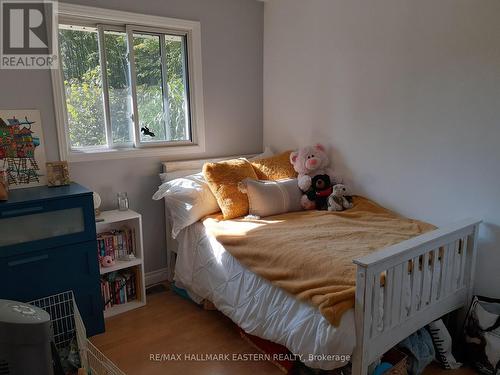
{"points": [[276, 167], [223, 179]]}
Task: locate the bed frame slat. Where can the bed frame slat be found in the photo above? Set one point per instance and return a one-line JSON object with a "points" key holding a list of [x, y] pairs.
{"points": [[426, 281], [436, 275], [444, 271], [456, 267], [397, 296], [463, 259], [389, 289], [404, 288], [376, 305], [414, 284]]}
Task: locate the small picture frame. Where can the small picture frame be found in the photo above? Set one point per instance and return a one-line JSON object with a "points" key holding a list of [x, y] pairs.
{"points": [[57, 173]]}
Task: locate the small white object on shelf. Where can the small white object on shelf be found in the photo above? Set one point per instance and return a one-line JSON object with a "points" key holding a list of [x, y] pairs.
{"points": [[122, 201], [115, 219]]}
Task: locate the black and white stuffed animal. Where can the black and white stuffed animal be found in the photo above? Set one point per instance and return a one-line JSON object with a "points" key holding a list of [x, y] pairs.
{"points": [[339, 199]]}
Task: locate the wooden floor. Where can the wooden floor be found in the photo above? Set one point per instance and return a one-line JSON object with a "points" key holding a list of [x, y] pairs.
{"points": [[171, 325]]}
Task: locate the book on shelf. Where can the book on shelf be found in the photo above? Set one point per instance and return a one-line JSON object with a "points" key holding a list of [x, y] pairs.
{"points": [[118, 288], [119, 244]]}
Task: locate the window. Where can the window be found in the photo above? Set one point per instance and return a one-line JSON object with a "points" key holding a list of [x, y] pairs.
{"points": [[125, 88], [103, 82]]}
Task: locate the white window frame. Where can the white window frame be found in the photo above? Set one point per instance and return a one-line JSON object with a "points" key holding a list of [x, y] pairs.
{"points": [[78, 14]]}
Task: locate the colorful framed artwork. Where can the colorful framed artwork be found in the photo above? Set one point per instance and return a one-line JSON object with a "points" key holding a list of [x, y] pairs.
{"points": [[22, 153], [57, 173]]}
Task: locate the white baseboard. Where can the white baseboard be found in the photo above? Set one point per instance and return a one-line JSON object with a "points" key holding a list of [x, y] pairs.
{"points": [[155, 277]]}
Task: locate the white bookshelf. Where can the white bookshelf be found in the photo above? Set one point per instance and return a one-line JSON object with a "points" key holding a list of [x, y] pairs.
{"points": [[114, 219]]}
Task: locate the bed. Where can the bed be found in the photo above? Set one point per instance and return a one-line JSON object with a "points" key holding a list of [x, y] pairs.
{"points": [[383, 314], [208, 271]]}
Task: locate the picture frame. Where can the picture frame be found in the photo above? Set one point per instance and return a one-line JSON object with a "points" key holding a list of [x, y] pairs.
{"points": [[57, 173], [22, 148]]}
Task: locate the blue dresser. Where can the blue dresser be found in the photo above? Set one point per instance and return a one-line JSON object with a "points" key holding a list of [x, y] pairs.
{"points": [[48, 245]]}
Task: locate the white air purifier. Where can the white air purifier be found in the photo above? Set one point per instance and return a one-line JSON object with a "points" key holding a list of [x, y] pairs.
{"points": [[25, 336]]}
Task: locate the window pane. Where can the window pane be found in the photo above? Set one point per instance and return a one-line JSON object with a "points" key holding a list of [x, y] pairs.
{"points": [[177, 90], [83, 86], [118, 86], [149, 86]]}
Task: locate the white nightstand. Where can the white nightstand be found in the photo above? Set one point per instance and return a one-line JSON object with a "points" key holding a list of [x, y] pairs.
{"points": [[115, 220]]}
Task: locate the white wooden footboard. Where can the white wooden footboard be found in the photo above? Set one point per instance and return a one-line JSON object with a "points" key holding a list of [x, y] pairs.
{"points": [[422, 279]]}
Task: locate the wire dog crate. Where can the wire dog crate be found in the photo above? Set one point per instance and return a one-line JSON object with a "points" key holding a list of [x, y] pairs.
{"points": [[67, 325]]}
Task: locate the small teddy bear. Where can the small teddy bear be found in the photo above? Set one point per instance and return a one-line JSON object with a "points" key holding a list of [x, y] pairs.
{"points": [[320, 190], [339, 198]]}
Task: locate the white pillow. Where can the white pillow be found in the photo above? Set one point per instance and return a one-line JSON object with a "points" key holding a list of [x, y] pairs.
{"points": [[443, 343], [188, 200], [266, 198]]}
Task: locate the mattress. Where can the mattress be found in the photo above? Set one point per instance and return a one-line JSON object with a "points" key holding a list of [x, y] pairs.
{"points": [[207, 271]]}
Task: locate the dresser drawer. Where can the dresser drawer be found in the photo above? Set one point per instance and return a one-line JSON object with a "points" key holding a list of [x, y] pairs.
{"points": [[48, 271], [43, 273], [28, 227]]}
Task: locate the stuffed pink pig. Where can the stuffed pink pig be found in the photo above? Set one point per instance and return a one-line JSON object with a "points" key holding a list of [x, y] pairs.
{"points": [[308, 162], [107, 261]]}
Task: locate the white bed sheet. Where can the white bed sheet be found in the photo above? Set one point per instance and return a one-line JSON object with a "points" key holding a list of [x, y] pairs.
{"points": [[205, 268]]}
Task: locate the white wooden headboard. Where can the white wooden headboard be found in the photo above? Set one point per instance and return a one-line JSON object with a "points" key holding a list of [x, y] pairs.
{"points": [[177, 169]]}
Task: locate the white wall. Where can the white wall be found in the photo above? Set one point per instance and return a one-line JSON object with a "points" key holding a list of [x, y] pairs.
{"points": [[232, 78], [407, 93]]}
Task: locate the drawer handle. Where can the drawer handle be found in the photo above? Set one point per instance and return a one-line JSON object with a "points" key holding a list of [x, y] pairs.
{"points": [[28, 260], [21, 211]]}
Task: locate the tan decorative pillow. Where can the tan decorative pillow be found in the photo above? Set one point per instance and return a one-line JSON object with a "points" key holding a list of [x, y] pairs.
{"points": [[266, 198], [223, 179], [276, 167]]}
